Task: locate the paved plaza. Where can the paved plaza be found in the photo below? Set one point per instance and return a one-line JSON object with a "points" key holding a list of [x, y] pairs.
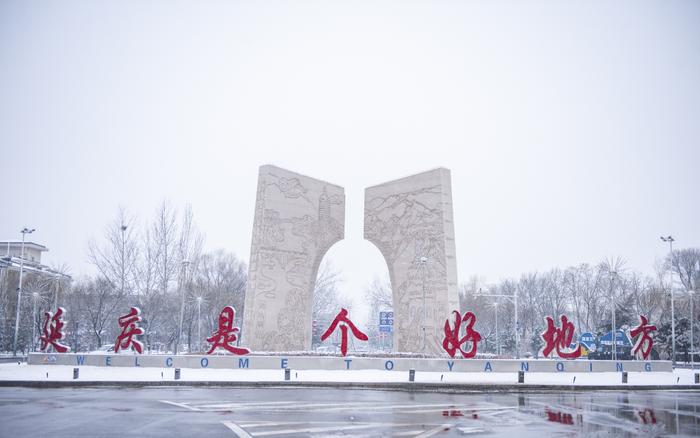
{"points": [[259, 412]]}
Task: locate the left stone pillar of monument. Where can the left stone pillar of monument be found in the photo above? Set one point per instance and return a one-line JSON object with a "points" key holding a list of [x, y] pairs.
{"points": [[297, 219]]}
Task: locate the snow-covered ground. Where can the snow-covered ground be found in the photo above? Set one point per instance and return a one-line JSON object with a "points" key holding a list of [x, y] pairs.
{"points": [[14, 371]]}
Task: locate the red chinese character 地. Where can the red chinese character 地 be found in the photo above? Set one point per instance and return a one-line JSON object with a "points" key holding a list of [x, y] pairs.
{"points": [[342, 319], [129, 324], [452, 342], [642, 347], [559, 339], [225, 335], [52, 331]]}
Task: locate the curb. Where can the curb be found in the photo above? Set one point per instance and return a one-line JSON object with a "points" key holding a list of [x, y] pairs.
{"points": [[391, 386]]}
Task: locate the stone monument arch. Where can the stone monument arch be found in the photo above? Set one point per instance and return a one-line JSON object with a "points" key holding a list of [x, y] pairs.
{"points": [[411, 221], [297, 219]]}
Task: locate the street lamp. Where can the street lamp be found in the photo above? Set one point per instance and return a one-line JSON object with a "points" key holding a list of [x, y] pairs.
{"points": [[613, 274], [182, 303], [514, 299], [498, 340], [423, 261], [123, 228], [199, 320], [35, 298], [24, 232], [670, 241]]}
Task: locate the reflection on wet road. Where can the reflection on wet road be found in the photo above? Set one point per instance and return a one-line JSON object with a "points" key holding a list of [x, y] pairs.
{"points": [[251, 412]]}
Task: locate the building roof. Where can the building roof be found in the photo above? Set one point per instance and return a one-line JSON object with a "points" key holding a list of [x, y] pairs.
{"points": [[13, 263], [14, 243]]}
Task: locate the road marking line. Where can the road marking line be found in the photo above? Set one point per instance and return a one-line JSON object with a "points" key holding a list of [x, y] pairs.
{"points": [[460, 408], [236, 429], [227, 404], [432, 432], [407, 433], [180, 405], [317, 429]]}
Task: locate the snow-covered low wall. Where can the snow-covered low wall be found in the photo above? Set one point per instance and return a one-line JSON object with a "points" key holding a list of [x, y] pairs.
{"points": [[347, 363]]}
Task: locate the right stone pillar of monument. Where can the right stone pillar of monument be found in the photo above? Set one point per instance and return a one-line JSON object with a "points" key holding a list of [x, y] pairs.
{"points": [[410, 220]]}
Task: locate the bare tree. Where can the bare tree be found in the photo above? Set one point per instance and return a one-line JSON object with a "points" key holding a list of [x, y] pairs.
{"points": [[98, 303], [116, 258]]}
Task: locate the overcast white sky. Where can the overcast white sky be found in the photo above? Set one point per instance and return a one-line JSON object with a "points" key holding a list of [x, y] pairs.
{"points": [[571, 128]]}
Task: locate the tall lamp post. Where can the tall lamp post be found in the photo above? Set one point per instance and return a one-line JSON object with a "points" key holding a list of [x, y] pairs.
{"points": [[670, 241], [35, 298], [514, 299], [692, 360], [613, 274], [199, 321], [25, 231], [423, 261], [498, 340], [182, 303]]}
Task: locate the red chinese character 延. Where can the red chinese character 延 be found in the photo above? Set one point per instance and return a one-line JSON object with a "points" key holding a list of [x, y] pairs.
{"points": [[452, 342], [644, 342], [225, 334], [342, 319], [130, 328], [52, 332], [559, 339]]}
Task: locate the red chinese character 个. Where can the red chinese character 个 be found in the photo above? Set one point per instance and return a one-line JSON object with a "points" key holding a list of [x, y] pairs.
{"points": [[452, 342], [642, 347], [129, 324], [559, 339], [342, 319], [225, 335], [52, 332]]}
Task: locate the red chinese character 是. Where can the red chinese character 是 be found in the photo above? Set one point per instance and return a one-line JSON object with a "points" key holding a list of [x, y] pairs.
{"points": [[52, 332], [130, 328], [559, 339], [452, 342], [225, 334], [342, 317], [644, 342]]}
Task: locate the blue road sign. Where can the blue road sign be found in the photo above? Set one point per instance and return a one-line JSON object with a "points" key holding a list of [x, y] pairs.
{"points": [[385, 328], [588, 340], [386, 318], [621, 339]]}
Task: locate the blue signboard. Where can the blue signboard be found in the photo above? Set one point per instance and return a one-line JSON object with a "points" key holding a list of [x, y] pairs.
{"points": [[386, 321], [588, 340], [621, 339], [386, 318]]}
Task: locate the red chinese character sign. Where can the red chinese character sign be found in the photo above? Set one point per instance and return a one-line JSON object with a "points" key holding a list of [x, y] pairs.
{"points": [[452, 341], [559, 339], [129, 324], [52, 331], [342, 319], [225, 335], [643, 344]]}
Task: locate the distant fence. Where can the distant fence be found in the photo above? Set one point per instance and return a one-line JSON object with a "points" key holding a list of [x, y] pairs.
{"points": [[348, 363]]}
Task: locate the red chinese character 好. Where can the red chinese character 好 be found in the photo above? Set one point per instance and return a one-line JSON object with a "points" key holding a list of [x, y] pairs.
{"points": [[452, 342], [129, 324], [52, 332], [559, 339], [644, 342], [342, 319], [225, 334]]}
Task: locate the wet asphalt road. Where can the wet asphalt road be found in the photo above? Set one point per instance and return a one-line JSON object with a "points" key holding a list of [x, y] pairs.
{"points": [[277, 412]]}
